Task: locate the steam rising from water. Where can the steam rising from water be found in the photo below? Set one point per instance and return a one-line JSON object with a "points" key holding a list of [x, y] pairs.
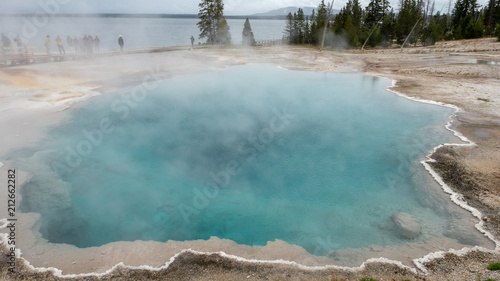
{"points": [[250, 154]]}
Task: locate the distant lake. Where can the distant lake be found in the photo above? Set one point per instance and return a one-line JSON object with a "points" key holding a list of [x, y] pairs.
{"points": [[137, 32]]}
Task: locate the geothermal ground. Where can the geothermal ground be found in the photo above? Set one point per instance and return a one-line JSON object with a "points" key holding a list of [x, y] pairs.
{"points": [[460, 73]]}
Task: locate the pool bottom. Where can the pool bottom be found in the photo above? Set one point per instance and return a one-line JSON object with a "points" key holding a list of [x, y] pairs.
{"points": [[72, 260]]}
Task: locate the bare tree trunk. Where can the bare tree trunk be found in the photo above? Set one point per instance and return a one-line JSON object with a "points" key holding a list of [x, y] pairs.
{"points": [[448, 18], [328, 14], [432, 8], [427, 5]]}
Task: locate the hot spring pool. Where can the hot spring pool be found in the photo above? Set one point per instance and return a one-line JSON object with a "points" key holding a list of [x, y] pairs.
{"points": [[250, 153]]}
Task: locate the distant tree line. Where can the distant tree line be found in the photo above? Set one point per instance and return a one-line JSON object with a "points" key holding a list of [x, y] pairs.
{"points": [[417, 21]]}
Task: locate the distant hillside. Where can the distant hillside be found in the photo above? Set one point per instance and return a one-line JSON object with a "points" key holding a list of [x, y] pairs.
{"points": [[285, 11]]}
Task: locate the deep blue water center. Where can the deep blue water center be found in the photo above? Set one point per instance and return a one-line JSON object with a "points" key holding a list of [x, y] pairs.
{"points": [[249, 153]]}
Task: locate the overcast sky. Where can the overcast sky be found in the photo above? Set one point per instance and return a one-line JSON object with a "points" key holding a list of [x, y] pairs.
{"points": [[232, 7]]}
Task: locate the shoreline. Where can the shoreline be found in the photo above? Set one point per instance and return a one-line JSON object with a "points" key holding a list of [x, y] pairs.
{"points": [[455, 197], [384, 260]]}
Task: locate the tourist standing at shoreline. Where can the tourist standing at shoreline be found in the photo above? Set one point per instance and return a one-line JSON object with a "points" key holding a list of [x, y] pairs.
{"points": [[97, 42], [48, 44], [76, 44], [192, 42], [121, 42], [85, 48], [60, 45], [70, 42], [90, 44]]}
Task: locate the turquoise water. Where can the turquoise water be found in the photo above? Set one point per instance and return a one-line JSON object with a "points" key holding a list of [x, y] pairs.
{"points": [[250, 153]]}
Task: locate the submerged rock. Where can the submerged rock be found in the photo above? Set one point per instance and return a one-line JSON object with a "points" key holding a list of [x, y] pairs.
{"points": [[406, 225]]}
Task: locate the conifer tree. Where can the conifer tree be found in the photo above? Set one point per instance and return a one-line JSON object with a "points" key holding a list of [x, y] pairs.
{"points": [[289, 28], [321, 21], [211, 16], [408, 16], [300, 23], [307, 33], [430, 33], [376, 11], [357, 15], [223, 33], [248, 37], [489, 18], [314, 28]]}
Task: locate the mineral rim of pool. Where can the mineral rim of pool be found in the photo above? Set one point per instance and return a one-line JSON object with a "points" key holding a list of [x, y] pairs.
{"points": [[251, 154]]}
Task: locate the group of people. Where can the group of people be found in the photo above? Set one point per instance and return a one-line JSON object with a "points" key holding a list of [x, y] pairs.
{"points": [[81, 45], [85, 44], [7, 44]]}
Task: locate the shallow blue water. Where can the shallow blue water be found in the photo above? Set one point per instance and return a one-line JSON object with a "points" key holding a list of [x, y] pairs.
{"points": [[251, 154]]}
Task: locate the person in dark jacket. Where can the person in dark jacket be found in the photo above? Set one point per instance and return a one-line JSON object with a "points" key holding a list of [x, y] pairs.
{"points": [[97, 43], [121, 43]]}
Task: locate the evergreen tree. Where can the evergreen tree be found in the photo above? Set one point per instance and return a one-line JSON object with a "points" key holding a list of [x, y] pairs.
{"points": [[496, 13], [468, 32], [478, 28], [407, 18], [289, 28], [295, 33], [489, 19], [376, 11], [301, 24], [465, 18], [211, 15], [350, 31], [387, 29], [314, 28], [321, 20], [430, 33], [248, 37], [357, 15], [348, 22], [307, 33], [223, 33], [463, 8], [442, 25], [339, 20], [492, 16]]}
